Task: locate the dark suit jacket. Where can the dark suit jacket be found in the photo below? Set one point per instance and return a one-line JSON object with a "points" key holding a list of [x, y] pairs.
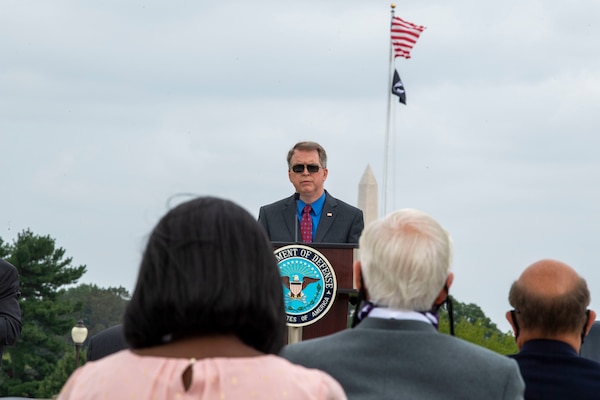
{"points": [[10, 311], [404, 359], [553, 370], [106, 342], [339, 223]]}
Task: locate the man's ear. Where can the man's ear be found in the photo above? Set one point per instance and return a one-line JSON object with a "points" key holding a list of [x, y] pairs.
{"points": [[449, 280], [444, 292], [590, 321], [509, 318], [357, 275]]}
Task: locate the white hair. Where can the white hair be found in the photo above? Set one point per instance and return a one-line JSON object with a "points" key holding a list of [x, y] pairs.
{"points": [[405, 260]]}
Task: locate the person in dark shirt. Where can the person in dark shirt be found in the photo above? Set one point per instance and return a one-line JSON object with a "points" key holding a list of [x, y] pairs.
{"points": [[106, 342], [10, 311], [550, 320]]}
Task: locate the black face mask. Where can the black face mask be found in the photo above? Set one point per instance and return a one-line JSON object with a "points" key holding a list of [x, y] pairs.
{"points": [[448, 303], [515, 323], [361, 304], [364, 307], [513, 316]]}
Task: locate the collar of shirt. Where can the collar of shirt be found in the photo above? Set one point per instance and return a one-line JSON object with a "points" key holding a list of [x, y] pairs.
{"points": [[315, 215], [317, 206], [387, 313], [548, 347]]}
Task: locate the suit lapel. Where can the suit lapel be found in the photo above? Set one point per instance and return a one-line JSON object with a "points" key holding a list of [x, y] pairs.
{"points": [[328, 216], [289, 215]]}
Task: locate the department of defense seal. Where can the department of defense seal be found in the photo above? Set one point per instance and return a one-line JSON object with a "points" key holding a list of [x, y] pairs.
{"points": [[309, 284]]}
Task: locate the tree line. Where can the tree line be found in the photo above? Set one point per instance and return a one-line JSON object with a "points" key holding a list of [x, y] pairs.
{"points": [[43, 358], [52, 303]]}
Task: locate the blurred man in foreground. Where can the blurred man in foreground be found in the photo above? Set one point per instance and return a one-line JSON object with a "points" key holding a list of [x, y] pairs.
{"points": [[395, 351]]}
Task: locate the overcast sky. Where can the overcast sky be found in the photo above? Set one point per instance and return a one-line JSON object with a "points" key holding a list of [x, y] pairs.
{"points": [[108, 109]]}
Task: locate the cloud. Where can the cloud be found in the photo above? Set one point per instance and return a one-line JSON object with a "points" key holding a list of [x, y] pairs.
{"points": [[109, 110]]}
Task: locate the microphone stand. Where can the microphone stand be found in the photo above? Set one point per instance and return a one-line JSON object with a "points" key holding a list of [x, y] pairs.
{"points": [[295, 332]]}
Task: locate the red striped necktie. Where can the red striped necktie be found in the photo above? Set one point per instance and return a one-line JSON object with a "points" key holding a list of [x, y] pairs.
{"points": [[306, 224]]}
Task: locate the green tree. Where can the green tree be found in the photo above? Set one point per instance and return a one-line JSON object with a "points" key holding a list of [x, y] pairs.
{"points": [[44, 272], [472, 325], [52, 384], [100, 308]]}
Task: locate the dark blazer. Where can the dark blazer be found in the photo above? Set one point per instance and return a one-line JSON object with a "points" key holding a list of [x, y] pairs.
{"points": [[553, 370], [405, 359], [106, 342], [10, 310], [340, 222]]}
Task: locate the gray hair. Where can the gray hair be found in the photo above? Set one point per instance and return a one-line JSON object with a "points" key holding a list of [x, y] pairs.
{"points": [[405, 260], [308, 146]]}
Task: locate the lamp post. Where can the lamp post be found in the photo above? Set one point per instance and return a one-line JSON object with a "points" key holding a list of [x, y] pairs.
{"points": [[78, 334]]}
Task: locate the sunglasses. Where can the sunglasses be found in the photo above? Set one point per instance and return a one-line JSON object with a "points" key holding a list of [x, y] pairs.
{"points": [[299, 168]]}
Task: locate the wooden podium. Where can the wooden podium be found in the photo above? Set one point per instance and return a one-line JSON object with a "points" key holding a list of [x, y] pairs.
{"points": [[341, 258]]}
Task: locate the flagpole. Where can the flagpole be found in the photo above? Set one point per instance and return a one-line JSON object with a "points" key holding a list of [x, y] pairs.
{"points": [[386, 155]]}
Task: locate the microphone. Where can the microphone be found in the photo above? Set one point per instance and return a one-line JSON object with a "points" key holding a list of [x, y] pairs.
{"points": [[296, 197]]}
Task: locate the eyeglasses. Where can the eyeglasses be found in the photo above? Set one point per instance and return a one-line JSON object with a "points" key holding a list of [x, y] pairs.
{"points": [[299, 168]]}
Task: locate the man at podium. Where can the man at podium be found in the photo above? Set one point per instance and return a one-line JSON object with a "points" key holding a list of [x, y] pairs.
{"points": [[311, 214]]}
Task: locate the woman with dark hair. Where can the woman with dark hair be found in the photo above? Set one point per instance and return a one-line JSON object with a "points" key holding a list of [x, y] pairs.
{"points": [[206, 318]]}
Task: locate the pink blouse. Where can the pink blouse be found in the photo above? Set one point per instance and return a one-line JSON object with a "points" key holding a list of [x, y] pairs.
{"points": [[125, 375]]}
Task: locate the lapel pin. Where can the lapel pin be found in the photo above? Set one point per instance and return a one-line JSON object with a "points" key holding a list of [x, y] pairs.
{"points": [[330, 214]]}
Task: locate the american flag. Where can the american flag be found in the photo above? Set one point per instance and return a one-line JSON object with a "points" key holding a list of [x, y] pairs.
{"points": [[404, 36]]}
